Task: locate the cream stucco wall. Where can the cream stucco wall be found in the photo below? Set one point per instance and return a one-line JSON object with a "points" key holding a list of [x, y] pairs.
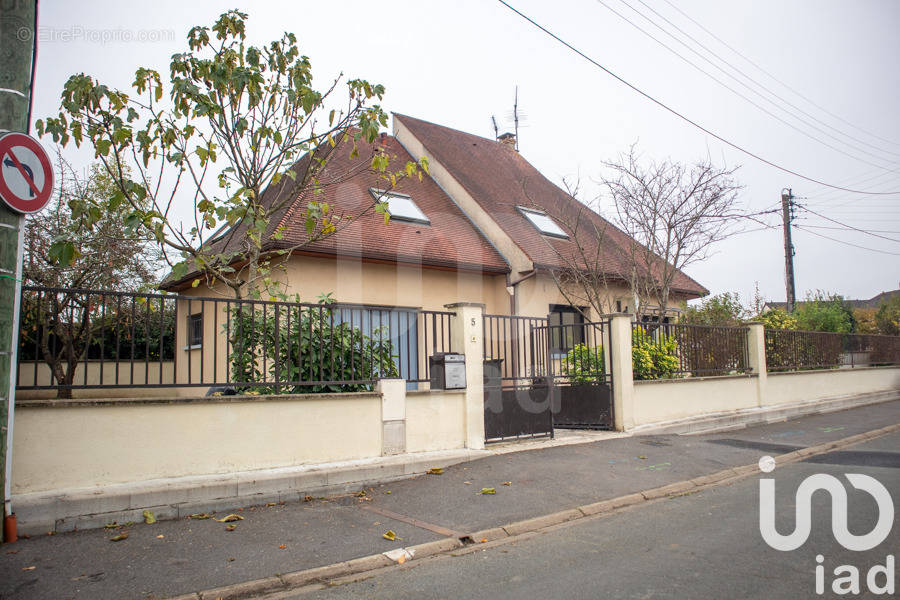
{"points": [[672, 399], [356, 281], [535, 295], [78, 446], [435, 421], [803, 386]]}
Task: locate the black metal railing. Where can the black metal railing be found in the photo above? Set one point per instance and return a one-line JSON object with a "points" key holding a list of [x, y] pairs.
{"points": [[92, 339], [664, 350], [515, 347], [788, 350], [579, 353]]}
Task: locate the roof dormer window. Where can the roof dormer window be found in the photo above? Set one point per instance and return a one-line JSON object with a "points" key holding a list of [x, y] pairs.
{"points": [[400, 206], [543, 223]]}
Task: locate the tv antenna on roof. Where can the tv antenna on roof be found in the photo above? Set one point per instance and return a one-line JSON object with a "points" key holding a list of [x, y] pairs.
{"points": [[496, 129]]}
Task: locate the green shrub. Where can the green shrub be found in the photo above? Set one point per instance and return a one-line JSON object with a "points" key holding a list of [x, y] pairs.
{"points": [[777, 319], [583, 364], [653, 358], [887, 318], [307, 345]]}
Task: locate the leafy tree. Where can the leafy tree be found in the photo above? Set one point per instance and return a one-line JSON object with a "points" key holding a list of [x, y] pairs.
{"points": [[777, 319], [721, 309], [887, 318], [824, 312], [865, 320], [235, 134], [62, 326]]}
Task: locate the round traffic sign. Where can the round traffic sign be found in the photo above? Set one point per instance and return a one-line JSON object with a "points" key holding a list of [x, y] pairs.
{"points": [[26, 177]]}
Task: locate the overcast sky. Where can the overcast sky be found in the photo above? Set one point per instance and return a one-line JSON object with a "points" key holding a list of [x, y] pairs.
{"points": [[458, 63]]}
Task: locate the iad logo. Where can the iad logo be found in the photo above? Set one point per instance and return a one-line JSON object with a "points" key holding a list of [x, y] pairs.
{"points": [[803, 525]]}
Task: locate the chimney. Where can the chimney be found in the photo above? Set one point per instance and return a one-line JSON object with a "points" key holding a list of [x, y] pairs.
{"points": [[509, 139]]}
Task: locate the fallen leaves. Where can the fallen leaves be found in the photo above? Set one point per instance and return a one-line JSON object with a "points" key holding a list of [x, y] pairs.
{"points": [[119, 538], [200, 516], [488, 491], [271, 504], [308, 498], [507, 483], [231, 527], [436, 471], [282, 546], [31, 568], [149, 517], [390, 535], [229, 518], [160, 537]]}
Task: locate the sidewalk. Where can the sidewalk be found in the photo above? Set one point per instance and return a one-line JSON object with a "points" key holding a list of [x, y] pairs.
{"points": [[170, 558]]}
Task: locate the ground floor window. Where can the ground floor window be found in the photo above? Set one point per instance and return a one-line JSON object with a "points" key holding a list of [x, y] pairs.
{"points": [[566, 328], [195, 330]]}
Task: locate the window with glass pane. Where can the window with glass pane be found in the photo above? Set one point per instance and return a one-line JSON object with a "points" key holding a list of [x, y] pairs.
{"points": [[401, 207], [566, 328], [543, 223], [195, 330]]}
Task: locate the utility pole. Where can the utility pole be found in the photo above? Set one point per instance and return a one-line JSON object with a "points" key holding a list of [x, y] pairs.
{"points": [[18, 44], [787, 215]]}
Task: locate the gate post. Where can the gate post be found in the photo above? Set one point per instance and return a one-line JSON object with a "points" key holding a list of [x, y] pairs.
{"points": [[756, 359], [621, 370], [467, 337]]}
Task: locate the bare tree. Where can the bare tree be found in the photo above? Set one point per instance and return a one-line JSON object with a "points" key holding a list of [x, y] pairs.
{"points": [[673, 213], [587, 272]]}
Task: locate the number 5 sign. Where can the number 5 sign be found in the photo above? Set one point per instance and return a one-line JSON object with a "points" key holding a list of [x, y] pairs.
{"points": [[26, 177]]}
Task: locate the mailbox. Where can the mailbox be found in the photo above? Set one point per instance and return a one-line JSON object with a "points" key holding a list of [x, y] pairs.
{"points": [[448, 371]]}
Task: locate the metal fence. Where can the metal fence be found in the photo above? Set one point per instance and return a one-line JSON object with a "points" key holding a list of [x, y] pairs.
{"points": [[516, 347], [663, 350], [91, 339], [579, 353], [788, 350]]}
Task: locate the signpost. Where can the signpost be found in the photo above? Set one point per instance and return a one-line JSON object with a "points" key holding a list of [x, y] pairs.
{"points": [[18, 45]]}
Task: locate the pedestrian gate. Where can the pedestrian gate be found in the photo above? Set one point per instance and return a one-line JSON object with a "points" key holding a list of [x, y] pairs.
{"points": [[539, 376]]}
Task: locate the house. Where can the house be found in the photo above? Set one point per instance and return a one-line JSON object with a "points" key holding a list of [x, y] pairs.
{"points": [[475, 229], [472, 230], [873, 302]]}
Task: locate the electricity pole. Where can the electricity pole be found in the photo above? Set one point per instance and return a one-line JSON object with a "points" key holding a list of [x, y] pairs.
{"points": [[787, 215], [18, 37]]}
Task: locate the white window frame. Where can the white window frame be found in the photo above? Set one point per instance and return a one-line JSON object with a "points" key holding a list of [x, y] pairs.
{"points": [[526, 212], [386, 196]]}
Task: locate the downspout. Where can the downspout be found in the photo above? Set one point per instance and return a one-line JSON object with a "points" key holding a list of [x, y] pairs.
{"points": [[513, 292]]}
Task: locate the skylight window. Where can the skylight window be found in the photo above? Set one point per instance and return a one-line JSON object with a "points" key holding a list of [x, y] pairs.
{"points": [[543, 223], [401, 207]]}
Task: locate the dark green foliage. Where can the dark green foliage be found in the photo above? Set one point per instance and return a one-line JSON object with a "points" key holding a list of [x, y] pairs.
{"points": [[271, 343], [583, 364]]}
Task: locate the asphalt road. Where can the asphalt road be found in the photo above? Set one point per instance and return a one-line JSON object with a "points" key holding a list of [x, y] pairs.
{"points": [[703, 545]]}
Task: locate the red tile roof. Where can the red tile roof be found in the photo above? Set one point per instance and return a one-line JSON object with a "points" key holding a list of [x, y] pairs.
{"points": [[451, 241], [500, 179]]}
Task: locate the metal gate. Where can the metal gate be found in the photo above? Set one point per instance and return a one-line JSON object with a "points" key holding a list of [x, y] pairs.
{"points": [[579, 375], [517, 397], [537, 376]]}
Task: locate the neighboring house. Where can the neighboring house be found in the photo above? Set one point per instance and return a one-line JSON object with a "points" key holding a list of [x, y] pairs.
{"points": [[873, 302], [470, 231]]}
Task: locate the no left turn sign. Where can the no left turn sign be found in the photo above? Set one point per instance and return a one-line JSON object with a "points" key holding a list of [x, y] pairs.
{"points": [[26, 177]]}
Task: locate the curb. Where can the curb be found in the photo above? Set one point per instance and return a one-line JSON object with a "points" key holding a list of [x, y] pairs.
{"points": [[328, 573]]}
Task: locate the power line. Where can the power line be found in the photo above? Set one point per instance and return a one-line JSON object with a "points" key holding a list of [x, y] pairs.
{"points": [[683, 117], [749, 88], [846, 243], [777, 80], [847, 226]]}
